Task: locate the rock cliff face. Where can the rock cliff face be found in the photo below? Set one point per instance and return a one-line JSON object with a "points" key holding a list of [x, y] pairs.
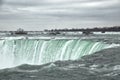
{"points": [[103, 65]]}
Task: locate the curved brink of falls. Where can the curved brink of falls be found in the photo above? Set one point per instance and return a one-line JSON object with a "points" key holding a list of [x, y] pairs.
{"points": [[36, 52]]}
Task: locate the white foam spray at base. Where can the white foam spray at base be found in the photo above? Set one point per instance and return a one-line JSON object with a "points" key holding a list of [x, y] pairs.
{"points": [[36, 52]]}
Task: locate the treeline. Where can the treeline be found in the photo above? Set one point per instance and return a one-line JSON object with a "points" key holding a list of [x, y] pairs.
{"points": [[103, 29]]}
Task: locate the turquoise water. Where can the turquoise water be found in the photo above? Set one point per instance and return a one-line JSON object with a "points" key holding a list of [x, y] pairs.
{"points": [[36, 52]]}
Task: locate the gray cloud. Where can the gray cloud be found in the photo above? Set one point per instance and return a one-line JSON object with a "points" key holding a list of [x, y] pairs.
{"points": [[1, 2], [57, 13]]}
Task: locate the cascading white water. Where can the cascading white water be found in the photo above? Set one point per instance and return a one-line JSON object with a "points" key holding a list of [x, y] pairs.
{"points": [[36, 52]]}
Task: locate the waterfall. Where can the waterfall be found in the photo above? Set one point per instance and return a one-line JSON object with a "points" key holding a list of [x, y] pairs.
{"points": [[36, 52]]}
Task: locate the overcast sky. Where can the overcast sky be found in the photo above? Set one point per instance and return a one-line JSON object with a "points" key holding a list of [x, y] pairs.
{"points": [[48, 14]]}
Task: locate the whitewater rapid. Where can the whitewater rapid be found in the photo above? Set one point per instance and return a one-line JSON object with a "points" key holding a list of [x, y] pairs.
{"points": [[15, 52]]}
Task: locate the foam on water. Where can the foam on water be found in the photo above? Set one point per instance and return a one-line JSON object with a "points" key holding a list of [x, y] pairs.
{"points": [[15, 52]]}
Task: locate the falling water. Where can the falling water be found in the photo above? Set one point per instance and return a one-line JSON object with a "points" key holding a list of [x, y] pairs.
{"points": [[36, 52]]}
